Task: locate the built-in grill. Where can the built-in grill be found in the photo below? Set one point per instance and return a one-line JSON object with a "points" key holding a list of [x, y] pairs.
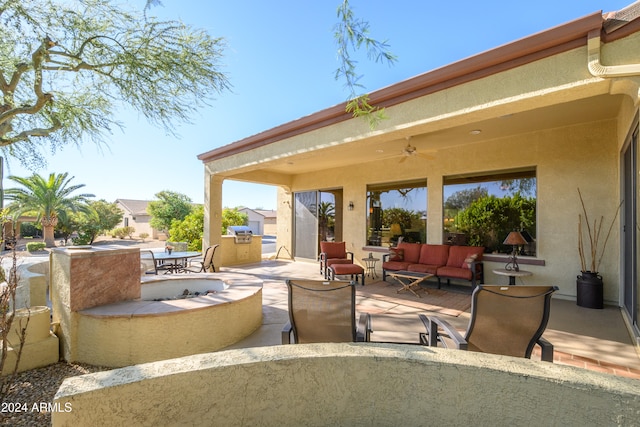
{"points": [[241, 233]]}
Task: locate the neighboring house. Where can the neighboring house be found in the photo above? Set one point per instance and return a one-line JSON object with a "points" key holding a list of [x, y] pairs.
{"points": [[560, 107], [261, 222], [136, 216]]}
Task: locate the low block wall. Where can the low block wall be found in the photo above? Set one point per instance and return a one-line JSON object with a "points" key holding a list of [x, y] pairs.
{"points": [[41, 345], [347, 384], [232, 253]]}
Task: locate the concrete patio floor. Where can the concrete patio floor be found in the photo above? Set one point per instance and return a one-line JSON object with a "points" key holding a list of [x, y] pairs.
{"points": [[582, 337]]}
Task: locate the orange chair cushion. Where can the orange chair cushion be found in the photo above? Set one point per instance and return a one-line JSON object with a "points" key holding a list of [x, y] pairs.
{"points": [[334, 249]]}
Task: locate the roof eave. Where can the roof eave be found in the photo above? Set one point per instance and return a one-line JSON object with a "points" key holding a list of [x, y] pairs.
{"points": [[540, 45]]}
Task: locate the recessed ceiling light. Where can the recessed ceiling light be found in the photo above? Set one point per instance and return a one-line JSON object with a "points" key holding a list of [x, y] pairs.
{"points": [[475, 132]]}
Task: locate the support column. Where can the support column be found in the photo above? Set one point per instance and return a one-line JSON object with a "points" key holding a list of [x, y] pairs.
{"points": [[435, 209], [284, 237], [212, 210]]}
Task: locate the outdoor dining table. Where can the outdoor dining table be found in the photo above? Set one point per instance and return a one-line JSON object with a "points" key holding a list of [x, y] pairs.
{"points": [[166, 259]]}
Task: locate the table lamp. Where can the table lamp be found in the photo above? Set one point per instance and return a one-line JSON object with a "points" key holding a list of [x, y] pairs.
{"points": [[515, 239]]}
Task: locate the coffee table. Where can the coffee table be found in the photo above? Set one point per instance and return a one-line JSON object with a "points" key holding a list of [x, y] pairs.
{"points": [[409, 279]]}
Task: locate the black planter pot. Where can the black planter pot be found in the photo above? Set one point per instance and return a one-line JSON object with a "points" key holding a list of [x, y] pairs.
{"points": [[589, 290]]}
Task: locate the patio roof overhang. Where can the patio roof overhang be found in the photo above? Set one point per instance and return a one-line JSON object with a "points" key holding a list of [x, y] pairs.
{"points": [[539, 82]]}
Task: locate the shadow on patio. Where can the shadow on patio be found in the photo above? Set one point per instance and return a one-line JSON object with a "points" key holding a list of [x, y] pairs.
{"points": [[582, 337]]}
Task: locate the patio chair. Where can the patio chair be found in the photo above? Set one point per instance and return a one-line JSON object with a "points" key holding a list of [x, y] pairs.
{"points": [[321, 312], [203, 265], [147, 263], [507, 320], [333, 253]]}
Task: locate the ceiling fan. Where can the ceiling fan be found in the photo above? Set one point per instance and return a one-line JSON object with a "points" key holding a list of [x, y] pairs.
{"points": [[411, 150]]}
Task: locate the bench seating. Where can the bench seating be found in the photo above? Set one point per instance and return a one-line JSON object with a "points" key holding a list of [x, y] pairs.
{"points": [[443, 261]]}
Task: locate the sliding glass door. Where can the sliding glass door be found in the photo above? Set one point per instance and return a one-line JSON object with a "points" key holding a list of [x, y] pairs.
{"points": [[631, 220], [318, 216], [306, 224]]}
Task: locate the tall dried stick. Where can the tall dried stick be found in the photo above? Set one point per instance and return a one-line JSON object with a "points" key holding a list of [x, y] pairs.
{"points": [[594, 237]]}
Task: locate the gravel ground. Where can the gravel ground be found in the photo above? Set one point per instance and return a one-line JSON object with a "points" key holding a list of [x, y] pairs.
{"points": [[32, 391]]}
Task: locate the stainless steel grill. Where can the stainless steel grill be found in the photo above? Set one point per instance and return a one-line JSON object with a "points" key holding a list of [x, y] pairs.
{"points": [[241, 233]]}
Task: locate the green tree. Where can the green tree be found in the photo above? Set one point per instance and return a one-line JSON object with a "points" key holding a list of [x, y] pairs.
{"points": [[232, 216], [65, 67], [170, 206], [524, 186], [326, 218], [352, 34], [400, 216], [190, 229], [100, 217], [66, 226], [50, 198], [488, 220], [463, 198]]}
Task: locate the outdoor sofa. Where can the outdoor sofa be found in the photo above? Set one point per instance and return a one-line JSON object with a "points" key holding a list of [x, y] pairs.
{"points": [[443, 261]]}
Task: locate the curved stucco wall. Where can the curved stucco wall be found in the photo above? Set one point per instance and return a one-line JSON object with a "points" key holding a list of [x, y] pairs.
{"points": [[40, 346], [131, 332], [33, 278], [347, 384]]}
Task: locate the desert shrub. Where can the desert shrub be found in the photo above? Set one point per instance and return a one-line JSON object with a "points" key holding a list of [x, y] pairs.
{"points": [[143, 236], [123, 232], [36, 246]]}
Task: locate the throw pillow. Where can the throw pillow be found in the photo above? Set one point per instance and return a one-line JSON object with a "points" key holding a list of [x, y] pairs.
{"points": [[396, 254], [468, 260]]}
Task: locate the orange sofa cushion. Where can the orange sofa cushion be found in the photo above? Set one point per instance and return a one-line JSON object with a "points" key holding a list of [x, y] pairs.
{"points": [[411, 252], [434, 254], [459, 254]]}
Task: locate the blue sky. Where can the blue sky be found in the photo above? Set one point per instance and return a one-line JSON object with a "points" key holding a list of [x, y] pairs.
{"points": [[281, 59]]}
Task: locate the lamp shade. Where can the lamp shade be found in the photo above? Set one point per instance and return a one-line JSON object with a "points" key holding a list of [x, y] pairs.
{"points": [[395, 229], [515, 238]]}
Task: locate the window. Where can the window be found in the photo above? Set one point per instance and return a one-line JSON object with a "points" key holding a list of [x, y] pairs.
{"points": [[397, 210], [480, 210]]}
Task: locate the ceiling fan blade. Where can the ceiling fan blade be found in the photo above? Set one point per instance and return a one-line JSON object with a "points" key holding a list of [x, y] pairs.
{"points": [[426, 156]]}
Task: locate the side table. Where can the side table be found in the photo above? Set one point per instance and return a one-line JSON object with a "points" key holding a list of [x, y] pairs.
{"points": [[370, 266], [512, 274]]}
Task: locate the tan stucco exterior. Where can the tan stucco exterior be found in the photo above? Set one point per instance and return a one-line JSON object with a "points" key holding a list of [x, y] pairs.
{"points": [[537, 106], [40, 346], [347, 384], [232, 253], [101, 319]]}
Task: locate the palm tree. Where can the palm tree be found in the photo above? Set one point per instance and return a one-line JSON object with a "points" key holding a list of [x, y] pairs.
{"points": [[49, 198], [326, 212]]}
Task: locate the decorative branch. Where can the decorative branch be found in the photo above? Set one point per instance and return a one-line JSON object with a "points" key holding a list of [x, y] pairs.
{"points": [[351, 33], [594, 234], [7, 317]]}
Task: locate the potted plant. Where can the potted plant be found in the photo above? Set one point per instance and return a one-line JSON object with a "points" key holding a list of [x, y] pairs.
{"points": [[169, 249], [589, 285]]}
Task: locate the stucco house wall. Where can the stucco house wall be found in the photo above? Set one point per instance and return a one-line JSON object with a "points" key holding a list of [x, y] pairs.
{"points": [[565, 159], [135, 215], [551, 102]]}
